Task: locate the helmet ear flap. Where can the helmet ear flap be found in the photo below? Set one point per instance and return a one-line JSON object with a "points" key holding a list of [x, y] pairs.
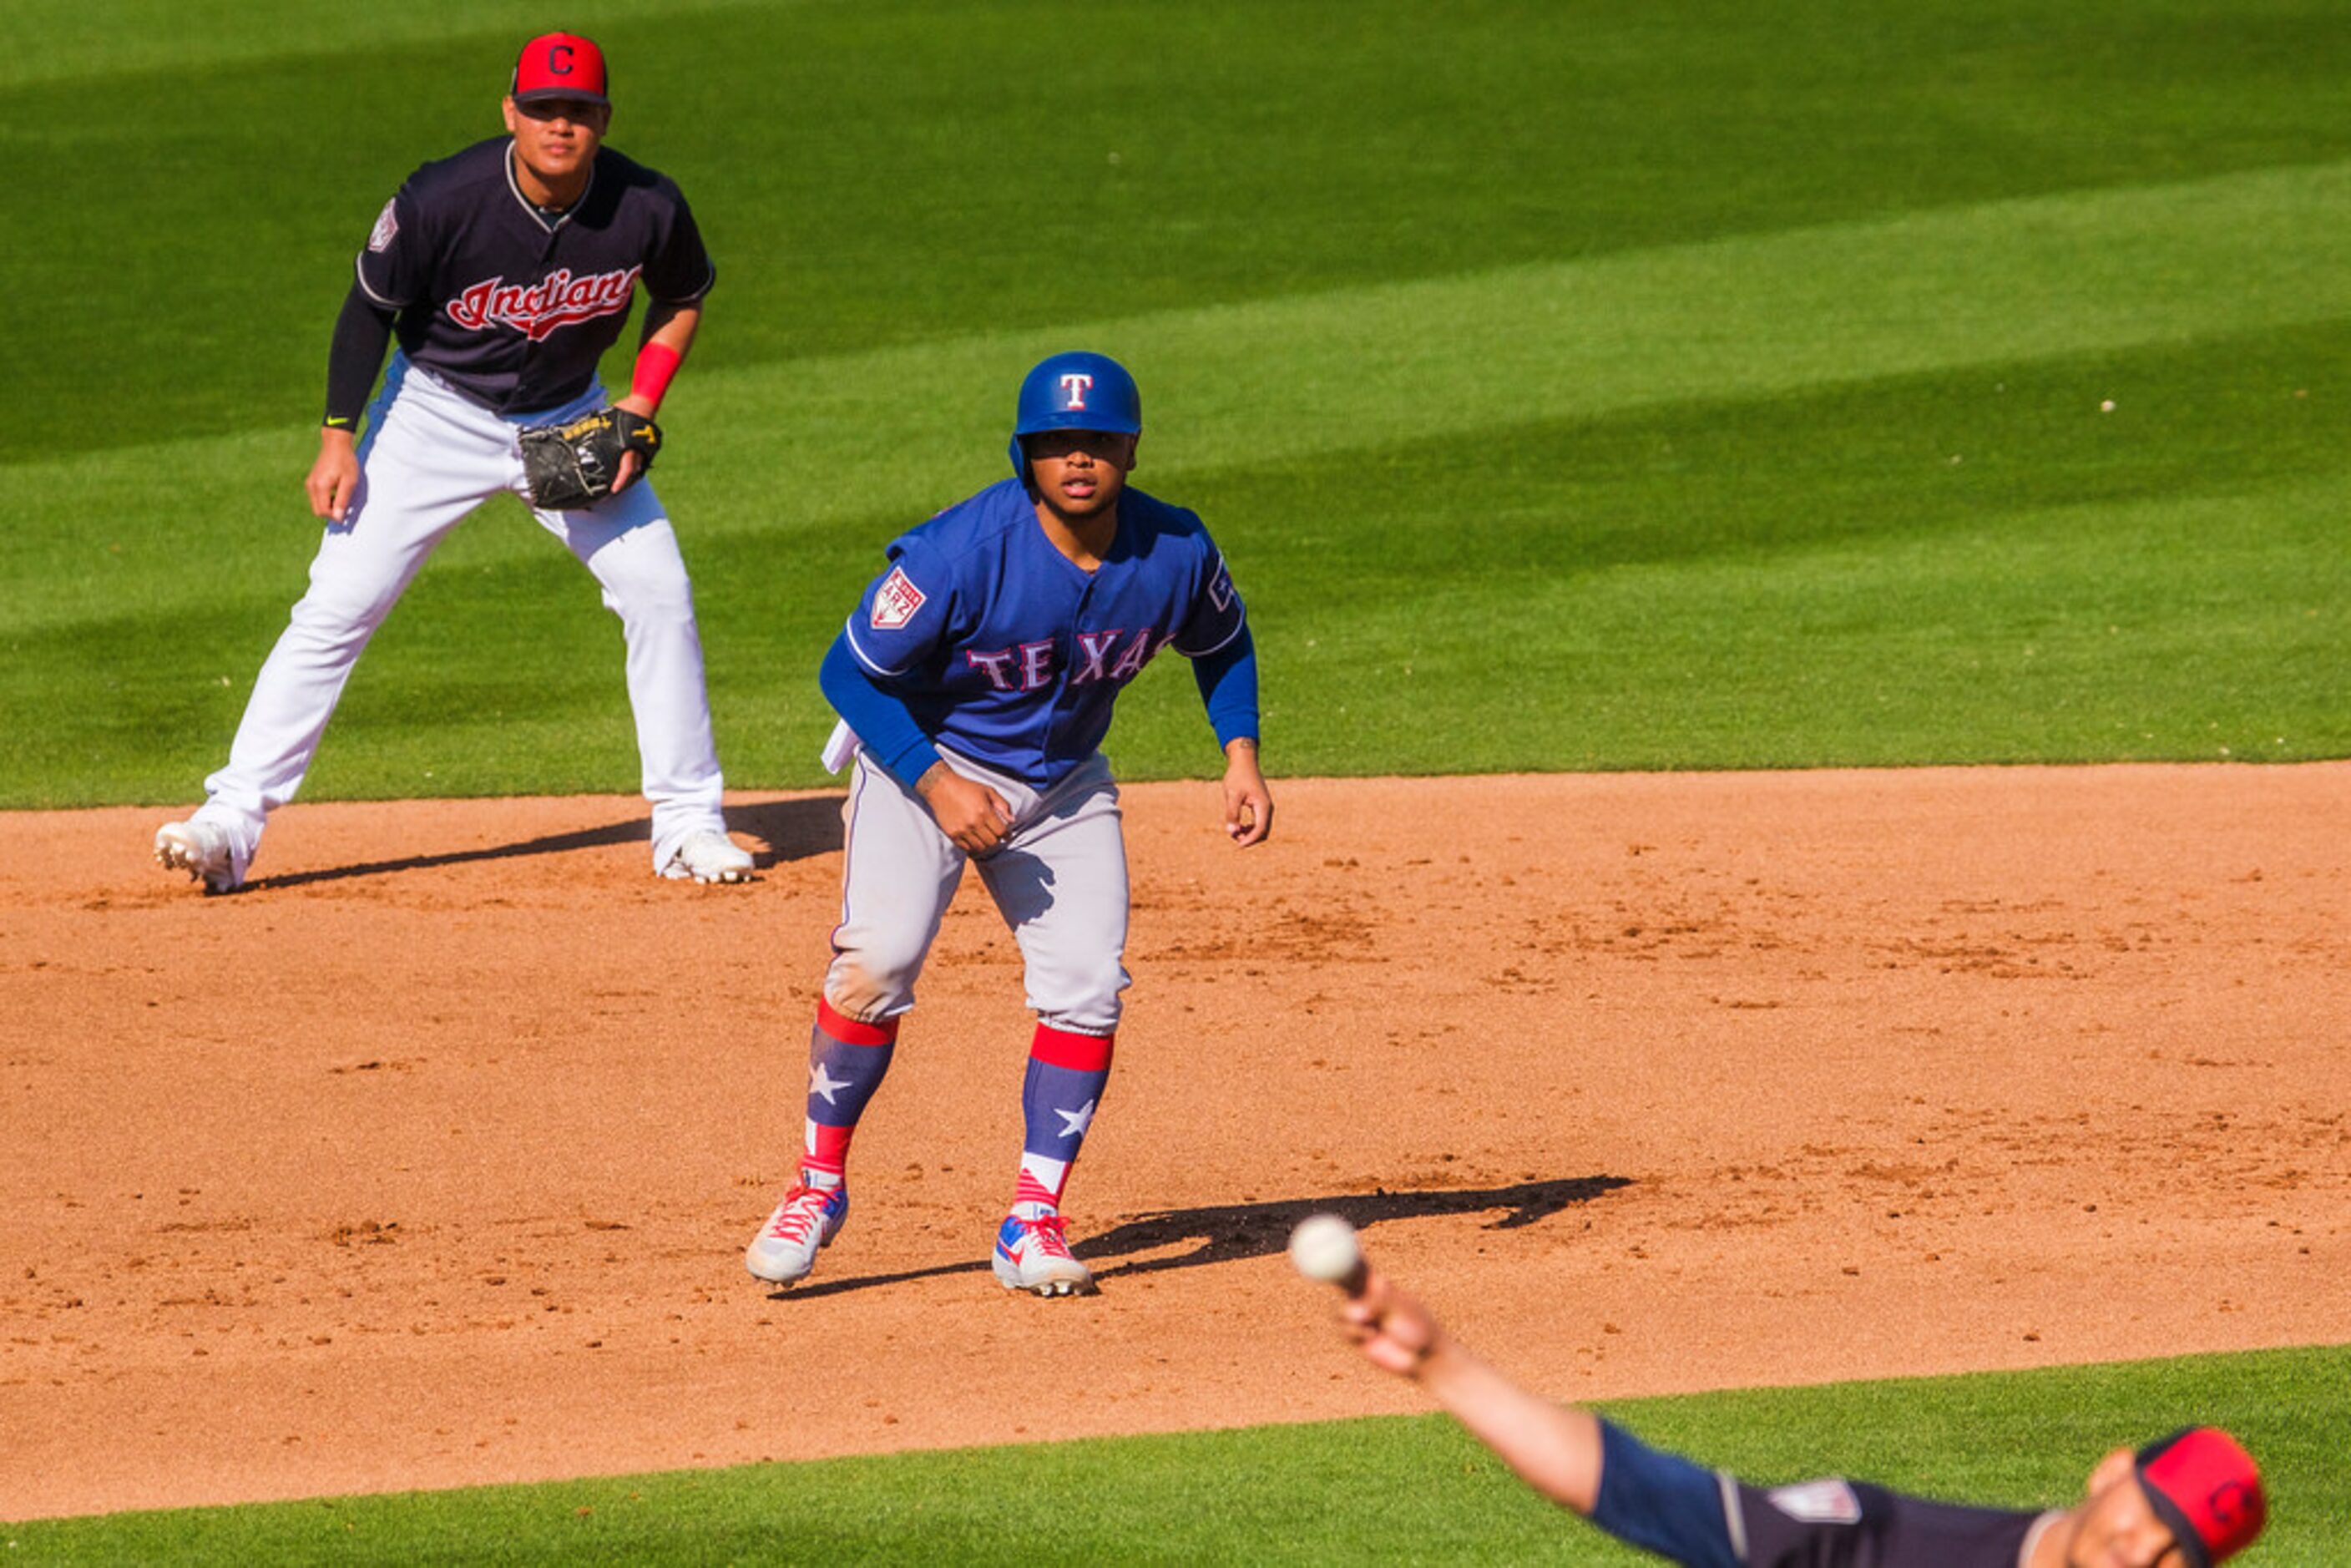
{"points": [[1020, 462]]}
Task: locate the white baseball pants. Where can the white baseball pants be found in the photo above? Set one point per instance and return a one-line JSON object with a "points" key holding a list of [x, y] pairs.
{"points": [[1058, 880], [430, 456]]}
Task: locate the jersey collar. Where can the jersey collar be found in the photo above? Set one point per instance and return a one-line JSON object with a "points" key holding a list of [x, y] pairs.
{"points": [[530, 208]]}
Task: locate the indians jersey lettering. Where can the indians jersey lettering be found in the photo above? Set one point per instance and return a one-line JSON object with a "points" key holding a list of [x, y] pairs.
{"points": [[510, 306], [536, 310], [1008, 652]]}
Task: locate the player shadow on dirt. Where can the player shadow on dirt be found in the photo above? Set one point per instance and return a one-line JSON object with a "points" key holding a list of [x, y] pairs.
{"points": [[1232, 1232], [792, 829]]}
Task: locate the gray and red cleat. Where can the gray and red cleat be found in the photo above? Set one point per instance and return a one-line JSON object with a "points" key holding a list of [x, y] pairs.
{"points": [[784, 1252], [1033, 1255]]}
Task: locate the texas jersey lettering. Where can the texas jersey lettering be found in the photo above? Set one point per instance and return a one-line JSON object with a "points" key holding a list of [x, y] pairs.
{"points": [[1007, 652]]}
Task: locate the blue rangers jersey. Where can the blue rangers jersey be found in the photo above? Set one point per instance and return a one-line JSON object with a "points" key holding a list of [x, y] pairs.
{"points": [[1006, 651], [510, 307]]}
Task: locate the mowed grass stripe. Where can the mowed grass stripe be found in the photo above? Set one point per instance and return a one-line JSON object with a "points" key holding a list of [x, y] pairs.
{"points": [[1798, 581], [1718, 410], [2039, 636], [1744, 317], [207, 213], [108, 43]]}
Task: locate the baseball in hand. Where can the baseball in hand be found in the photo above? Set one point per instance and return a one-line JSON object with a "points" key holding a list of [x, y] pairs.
{"points": [[1324, 1248]]}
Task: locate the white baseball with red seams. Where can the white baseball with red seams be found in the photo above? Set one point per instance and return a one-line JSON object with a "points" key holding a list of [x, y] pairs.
{"points": [[1324, 1248]]}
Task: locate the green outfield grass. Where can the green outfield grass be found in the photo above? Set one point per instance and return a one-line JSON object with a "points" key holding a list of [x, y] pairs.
{"points": [[1399, 1490], [1572, 387]]}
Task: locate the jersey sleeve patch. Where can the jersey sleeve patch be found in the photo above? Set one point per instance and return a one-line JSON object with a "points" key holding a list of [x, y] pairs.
{"points": [[1220, 589], [1818, 1502], [1217, 616], [387, 224], [895, 601]]}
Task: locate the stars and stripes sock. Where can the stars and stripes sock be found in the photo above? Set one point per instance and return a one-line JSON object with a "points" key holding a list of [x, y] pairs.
{"points": [[1066, 1074], [846, 1061]]}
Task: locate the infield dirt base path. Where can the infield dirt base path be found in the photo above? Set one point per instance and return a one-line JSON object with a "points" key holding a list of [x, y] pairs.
{"points": [[429, 1159]]}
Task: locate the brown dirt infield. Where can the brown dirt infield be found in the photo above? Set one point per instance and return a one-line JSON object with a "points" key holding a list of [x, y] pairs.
{"points": [[429, 1160]]}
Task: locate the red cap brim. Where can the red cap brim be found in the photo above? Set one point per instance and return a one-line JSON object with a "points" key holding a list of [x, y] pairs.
{"points": [[559, 64], [2209, 1491]]}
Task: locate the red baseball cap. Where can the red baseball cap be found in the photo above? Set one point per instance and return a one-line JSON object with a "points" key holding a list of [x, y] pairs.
{"points": [[2208, 1490], [559, 64]]}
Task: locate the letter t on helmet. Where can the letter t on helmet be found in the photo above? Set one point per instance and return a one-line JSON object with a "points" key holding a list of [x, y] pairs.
{"points": [[1075, 392]]}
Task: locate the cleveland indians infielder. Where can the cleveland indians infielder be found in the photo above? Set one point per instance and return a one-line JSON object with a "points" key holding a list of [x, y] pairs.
{"points": [[505, 272], [977, 680]]}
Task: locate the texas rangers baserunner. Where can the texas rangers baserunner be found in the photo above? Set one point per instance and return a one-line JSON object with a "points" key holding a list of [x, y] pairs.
{"points": [[505, 272], [976, 678]]}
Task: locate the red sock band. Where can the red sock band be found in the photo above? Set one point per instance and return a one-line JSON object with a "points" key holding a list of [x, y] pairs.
{"points": [[849, 1031], [1028, 1189], [656, 363], [828, 1148], [1079, 1052]]}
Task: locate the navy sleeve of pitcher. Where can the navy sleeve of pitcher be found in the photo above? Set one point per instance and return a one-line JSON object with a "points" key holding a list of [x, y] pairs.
{"points": [[1663, 1503]]}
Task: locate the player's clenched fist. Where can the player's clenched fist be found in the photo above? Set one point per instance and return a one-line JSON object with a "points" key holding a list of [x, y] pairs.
{"points": [[1248, 804], [335, 476], [974, 817]]}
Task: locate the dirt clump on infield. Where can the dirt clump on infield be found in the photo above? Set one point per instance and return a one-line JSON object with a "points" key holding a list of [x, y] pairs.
{"points": [[429, 1159]]}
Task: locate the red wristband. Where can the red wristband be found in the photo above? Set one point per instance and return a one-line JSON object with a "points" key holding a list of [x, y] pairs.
{"points": [[656, 363]]}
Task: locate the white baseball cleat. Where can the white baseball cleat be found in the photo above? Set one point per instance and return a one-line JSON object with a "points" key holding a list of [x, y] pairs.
{"points": [[784, 1252], [203, 850], [709, 856], [1033, 1255]]}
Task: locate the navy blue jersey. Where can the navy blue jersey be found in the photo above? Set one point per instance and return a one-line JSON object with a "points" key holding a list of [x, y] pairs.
{"points": [[1707, 1518], [1007, 651], [510, 306], [1850, 1525]]}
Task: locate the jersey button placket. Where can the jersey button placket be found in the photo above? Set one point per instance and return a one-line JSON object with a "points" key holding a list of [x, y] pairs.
{"points": [[1064, 701]]}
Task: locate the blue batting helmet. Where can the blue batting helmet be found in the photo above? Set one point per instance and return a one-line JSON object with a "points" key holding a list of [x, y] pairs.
{"points": [[1075, 392]]}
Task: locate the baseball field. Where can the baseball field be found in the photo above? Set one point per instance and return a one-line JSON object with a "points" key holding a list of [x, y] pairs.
{"points": [[1798, 561]]}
